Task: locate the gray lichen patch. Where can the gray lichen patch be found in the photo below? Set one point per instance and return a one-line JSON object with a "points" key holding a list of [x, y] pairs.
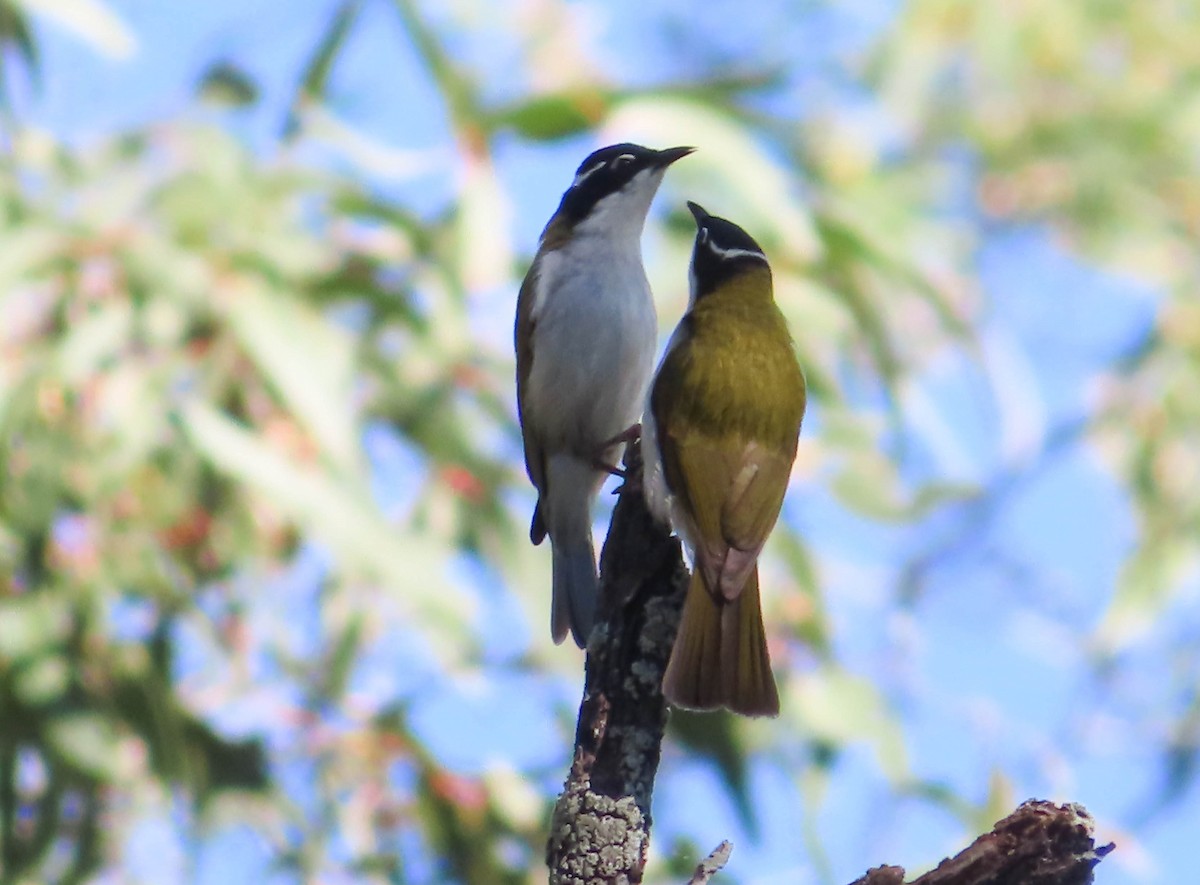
{"points": [[597, 838]]}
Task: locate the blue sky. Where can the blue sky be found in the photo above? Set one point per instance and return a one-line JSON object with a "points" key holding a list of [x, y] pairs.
{"points": [[1053, 322]]}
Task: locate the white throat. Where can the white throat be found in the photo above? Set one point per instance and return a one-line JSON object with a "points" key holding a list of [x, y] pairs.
{"points": [[622, 215]]}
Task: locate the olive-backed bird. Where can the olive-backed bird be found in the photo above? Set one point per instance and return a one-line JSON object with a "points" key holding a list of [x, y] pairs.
{"points": [[719, 436], [585, 336]]}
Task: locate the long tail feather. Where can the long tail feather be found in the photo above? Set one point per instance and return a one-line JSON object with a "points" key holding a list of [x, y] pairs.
{"points": [[575, 587], [745, 663], [693, 679], [720, 655], [565, 507]]}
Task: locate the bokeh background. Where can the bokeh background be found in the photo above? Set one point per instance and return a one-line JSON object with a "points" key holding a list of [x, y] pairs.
{"points": [[268, 612]]}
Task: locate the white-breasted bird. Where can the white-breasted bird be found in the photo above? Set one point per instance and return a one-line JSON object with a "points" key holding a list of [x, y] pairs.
{"points": [[585, 337]]}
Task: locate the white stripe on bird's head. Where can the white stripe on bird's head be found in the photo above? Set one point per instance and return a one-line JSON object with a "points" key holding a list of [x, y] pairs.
{"points": [[728, 253]]}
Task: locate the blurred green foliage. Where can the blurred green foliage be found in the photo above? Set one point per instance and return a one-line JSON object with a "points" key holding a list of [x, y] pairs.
{"points": [[195, 337]]}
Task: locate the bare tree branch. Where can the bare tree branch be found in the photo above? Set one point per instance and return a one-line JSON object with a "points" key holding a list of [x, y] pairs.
{"points": [[1038, 844], [712, 864]]}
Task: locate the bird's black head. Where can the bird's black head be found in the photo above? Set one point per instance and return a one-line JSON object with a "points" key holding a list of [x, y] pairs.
{"points": [[722, 250], [612, 169]]}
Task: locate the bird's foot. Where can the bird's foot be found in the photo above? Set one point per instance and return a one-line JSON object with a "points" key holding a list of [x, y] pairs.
{"points": [[628, 435], [601, 464]]}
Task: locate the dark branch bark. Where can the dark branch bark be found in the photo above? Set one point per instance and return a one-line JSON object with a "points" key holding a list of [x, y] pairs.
{"points": [[601, 827], [600, 832], [1038, 844]]}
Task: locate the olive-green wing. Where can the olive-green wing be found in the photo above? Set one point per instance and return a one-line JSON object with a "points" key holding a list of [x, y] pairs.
{"points": [[733, 491]]}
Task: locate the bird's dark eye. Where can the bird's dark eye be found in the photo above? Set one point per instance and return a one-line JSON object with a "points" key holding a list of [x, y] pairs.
{"points": [[703, 235], [622, 160]]}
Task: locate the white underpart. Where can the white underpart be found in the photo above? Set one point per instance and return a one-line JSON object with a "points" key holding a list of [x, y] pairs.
{"points": [[654, 481], [595, 325], [622, 215], [663, 505], [691, 289], [659, 500]]}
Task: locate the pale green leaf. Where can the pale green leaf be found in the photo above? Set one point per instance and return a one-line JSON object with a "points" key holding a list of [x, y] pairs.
{"points": [[92, 21], [410, 564], [554, 115], [224, 83], [26, 249], [309, 361], [32, 623], [1144, 589], [96, 338], [514, 796], [484, 252], [845, 429], [837, 707], [315, 82], [381, 160], [43, 681], [868, 485], [815, 314], [999, 802], [87, 741]]}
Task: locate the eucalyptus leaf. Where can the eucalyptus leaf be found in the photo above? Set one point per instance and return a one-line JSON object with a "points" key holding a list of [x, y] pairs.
{"points": [[88, 742], [309, 360], [835, 706], [555, 115], [407, 563], [226, 83], [32, 624], [93, 21], [1143, 592], [42, 681]]}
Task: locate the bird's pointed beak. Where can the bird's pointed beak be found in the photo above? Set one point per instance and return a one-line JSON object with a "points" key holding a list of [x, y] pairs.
{"points": [[666, 157], [698, 213]]}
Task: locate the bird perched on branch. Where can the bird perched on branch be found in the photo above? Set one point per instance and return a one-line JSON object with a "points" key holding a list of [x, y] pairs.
{"points": [[585, 335], [719, 436]]}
